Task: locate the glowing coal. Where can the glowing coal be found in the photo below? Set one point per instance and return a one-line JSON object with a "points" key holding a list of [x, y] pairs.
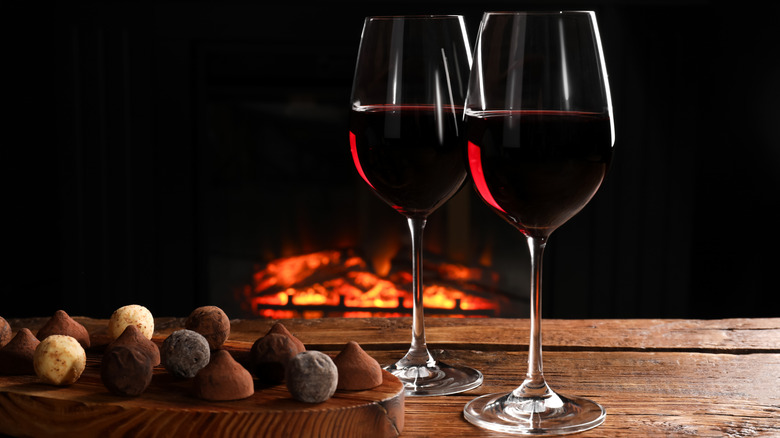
{"points": [[339, 283]]}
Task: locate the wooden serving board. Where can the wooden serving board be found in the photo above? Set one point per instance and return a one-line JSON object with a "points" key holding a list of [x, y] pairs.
{"points": [[29, 407]]}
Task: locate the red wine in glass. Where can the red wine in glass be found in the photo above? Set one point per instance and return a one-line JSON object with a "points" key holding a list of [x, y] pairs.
{"points": [[406, 138], [410, 155], [539, 140], [537, 169]]}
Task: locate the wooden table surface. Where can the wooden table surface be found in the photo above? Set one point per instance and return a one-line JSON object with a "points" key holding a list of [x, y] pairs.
{"points": [[703, 378]]}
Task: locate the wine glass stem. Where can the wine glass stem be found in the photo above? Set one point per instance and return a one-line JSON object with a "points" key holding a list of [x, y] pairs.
{"points": [[418, 354], [534, 384]]}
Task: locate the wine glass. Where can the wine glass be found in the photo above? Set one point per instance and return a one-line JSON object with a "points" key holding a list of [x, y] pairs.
{"points": [[406, 137], [540, 136]]}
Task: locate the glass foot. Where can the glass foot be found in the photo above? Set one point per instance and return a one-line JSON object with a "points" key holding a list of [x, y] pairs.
{"points": [[436, 379], [552, 415]]}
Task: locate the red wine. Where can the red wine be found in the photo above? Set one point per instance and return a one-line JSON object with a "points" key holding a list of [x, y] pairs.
{"points": [[410, 155], [537, 169]]}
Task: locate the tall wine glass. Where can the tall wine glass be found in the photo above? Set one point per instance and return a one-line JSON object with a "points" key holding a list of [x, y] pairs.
{"points": [[406, 134], [540, 136]]}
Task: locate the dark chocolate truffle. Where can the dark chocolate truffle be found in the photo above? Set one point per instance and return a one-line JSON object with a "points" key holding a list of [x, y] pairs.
{"points": [[184, 353], [16, 358], [132, 336], [281, 329], [62, 324], [357, 370], [223, 379], [270, 355], [312, 377], [126, 370], [5, 332], [212, 323]]}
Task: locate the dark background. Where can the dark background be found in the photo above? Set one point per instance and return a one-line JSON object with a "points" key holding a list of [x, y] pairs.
{"points": [[156, 152]]}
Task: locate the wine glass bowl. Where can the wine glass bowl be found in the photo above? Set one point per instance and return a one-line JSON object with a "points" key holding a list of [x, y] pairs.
{"points": [[539, 141], [406, 136]]}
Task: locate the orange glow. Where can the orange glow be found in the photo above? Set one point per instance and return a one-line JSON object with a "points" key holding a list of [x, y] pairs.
{"points": [[335, 282]]}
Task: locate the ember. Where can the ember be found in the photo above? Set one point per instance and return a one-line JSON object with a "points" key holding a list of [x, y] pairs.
{"points": [[339, 283]]}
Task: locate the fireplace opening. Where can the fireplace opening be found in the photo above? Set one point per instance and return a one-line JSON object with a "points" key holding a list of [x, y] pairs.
{"points": [[340, 283]]}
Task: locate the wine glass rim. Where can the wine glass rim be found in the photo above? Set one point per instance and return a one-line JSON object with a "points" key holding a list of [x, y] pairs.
{"points": [[413, 17], [550, 12]]}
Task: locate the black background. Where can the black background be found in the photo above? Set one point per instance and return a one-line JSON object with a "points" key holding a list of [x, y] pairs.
{"points": [[120, 143]]}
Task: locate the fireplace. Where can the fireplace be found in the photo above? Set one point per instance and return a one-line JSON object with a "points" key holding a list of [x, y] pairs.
{"points": [[341, 283]]}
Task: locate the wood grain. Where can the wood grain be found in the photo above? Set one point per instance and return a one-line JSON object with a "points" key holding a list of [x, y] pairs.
{"points": [[664, 378], [167, 408], [724, 335]]}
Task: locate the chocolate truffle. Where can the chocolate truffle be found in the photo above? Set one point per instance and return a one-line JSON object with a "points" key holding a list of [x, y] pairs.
{"points": [[62, 324], [16, 358], [126, 370], [212, 323], [357, 370], [132, 314], [5, 332], [269, 356], [223, 379], [184, 353], [281, 329], [132, 336], [59, 360], [311, 377]]}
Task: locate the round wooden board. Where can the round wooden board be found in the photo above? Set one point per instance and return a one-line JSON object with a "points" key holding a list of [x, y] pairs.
{"points": [[167, 408]]}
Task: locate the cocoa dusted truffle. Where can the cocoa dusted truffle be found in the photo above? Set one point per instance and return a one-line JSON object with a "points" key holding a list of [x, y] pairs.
{"points": [[311, 377], [184, 353], [126, 370], [269, 356], [16, 358], [5, 332], [282, 330], [223, 379], [357, 370], [62, 324], [132, 336], [212, 323]]}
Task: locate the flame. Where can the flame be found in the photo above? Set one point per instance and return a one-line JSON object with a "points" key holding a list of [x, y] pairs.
{"points": [[337, 279]]}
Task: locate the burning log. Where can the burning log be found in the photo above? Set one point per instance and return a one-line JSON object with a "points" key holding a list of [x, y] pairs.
{"points": [[339, 283]]}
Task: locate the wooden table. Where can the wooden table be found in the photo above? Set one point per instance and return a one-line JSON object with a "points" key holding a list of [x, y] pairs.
{"points": [[655, 377]]}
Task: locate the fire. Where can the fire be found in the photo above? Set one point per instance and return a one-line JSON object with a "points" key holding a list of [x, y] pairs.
{"points": [[339, 281]]}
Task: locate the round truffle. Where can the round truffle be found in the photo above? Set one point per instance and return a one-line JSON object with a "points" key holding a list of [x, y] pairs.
{"points": [[126, 370], [59, 360], [5, 332], [212, 323], [312, 377], [62, 324], [223, 379], [132, 336], [184, 353], [357, 370], [270, 355], [132, 314], [16, 358]]}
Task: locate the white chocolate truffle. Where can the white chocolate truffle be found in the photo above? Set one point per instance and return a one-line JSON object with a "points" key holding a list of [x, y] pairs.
{"points": [[132, 314], [59, 360]]}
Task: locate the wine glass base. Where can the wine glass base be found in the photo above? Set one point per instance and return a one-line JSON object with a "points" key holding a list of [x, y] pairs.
{"points": [[438, 379], [556, 415]]}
